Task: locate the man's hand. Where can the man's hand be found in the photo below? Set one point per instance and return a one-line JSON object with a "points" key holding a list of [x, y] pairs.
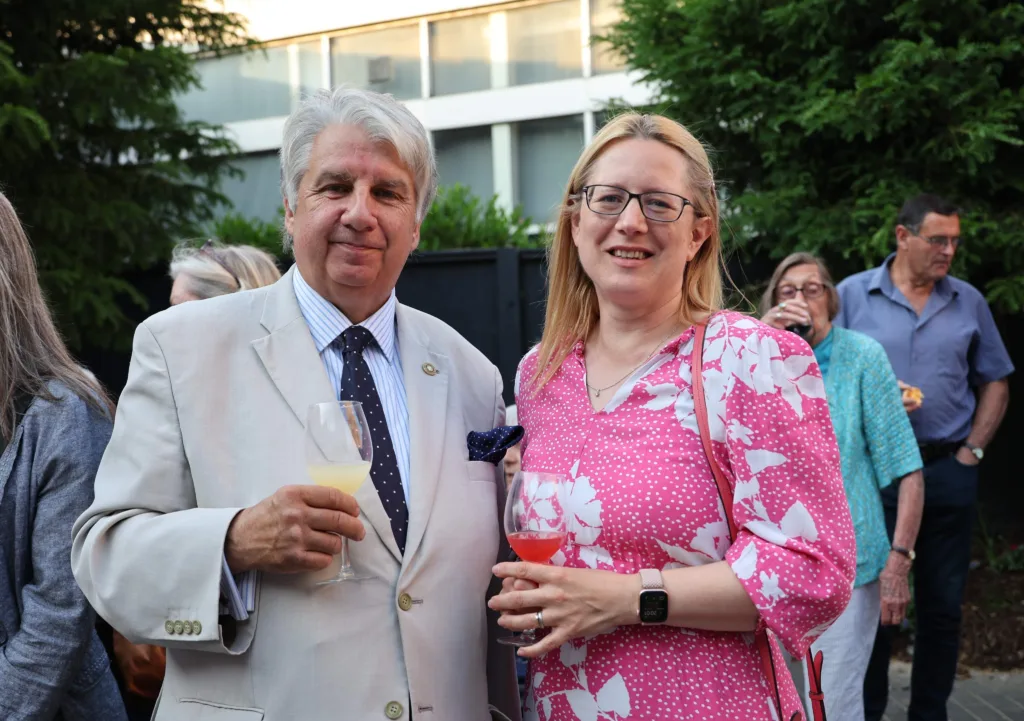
{"points": [[912, 397], [894, 589], [293, 530], [965, 457]]}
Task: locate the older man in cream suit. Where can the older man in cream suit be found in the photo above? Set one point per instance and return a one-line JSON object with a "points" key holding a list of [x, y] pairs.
{"points": [[202, 497]]}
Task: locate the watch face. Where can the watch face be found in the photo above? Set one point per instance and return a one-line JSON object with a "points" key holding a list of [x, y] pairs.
{"points": [[653, 606]]}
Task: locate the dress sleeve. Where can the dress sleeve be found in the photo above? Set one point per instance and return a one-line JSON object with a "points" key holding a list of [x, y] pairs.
{"points": [[894, 451], [795, 552]]}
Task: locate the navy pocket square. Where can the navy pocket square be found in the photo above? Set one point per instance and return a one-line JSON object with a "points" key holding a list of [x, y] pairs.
{"points": [[491, 445]]}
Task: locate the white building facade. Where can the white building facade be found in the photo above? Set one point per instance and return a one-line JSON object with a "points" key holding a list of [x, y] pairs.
{"points": [[510, 92]]}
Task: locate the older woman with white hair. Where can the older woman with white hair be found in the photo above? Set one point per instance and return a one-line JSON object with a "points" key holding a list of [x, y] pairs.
{"points": [[216, 269]]}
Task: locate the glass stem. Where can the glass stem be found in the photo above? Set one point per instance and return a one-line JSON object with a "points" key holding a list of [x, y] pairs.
{"points": [[346, 562]]}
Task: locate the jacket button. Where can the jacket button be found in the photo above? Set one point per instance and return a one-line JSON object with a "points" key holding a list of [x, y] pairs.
{"points": [[169, 627], [188, 627], [179, 627], [197, 628], [405, 602], [394, 710]]}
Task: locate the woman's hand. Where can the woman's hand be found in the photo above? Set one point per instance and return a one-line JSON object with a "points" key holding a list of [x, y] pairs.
{"points": [[787, 313], [911, 396], [573, 602], [895, 590]]}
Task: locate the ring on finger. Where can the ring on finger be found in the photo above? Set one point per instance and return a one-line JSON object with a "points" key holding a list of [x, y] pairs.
{"points": [[782, 306], [540, 618]]}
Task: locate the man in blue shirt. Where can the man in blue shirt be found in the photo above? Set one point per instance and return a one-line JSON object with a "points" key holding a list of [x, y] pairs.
{"points": [[940, 337]]}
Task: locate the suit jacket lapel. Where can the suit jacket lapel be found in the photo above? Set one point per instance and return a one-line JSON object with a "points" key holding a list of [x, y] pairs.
{"points": [[426, 374], [290, 358]]}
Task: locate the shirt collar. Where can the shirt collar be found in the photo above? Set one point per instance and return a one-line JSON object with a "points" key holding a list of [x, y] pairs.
{"points": [[882, 281], [326, 322]]}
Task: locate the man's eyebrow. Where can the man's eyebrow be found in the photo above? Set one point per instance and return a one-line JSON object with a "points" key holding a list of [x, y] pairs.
{"points": [[338, 176], [393, 184]]}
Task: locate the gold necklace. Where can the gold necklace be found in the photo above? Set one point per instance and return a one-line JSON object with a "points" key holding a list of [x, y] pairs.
{"points": [[599, 391]]}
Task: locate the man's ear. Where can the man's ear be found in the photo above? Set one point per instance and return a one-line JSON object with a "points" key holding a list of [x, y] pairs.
{"points": [[289, 218]]}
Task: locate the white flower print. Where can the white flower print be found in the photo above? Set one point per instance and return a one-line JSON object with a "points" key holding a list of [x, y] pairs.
{"points": [[610, 703], [584, 520], [746, 564], [770, 588]]}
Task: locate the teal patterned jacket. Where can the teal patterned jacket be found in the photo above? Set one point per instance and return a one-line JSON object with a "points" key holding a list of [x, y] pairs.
{"points": [[876, 442]]}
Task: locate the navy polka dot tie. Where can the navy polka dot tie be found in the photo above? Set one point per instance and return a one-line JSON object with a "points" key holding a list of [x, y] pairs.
{"points": [[357, 385]]}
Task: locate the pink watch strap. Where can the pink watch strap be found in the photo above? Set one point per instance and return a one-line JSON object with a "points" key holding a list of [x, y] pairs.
{"points": [[651, 578]]}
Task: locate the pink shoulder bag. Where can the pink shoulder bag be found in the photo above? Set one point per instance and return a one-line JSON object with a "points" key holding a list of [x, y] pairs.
{"points": [[813, 661]]}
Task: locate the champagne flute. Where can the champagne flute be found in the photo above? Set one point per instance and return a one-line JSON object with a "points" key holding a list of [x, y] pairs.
{"points": [[535, 524], [339, 454]]}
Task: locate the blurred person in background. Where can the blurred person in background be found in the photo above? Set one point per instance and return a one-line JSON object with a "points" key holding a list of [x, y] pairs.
{"points": [[512, 455], [214, 269], [198, 273], [940, 338], [876, 447], [55, 421]]}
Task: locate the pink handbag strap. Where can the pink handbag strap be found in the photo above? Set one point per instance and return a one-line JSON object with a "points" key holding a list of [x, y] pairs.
{"points": [[700, 407]]}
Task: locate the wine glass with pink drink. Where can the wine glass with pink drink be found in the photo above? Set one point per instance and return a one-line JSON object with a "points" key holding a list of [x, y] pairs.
{"points": [[535, 523]]}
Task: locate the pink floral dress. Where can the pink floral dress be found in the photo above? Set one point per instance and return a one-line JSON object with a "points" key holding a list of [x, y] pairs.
{"points": [[642, 496]]}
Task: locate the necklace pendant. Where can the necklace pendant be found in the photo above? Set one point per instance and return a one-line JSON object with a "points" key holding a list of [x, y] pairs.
{"points": [[597, 394]]}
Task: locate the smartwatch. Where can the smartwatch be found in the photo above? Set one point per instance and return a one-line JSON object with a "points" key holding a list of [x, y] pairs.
{"points": [[653, 598]]}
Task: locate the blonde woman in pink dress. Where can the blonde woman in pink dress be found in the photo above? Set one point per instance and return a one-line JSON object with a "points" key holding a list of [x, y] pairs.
{"points": [[606, 399]]}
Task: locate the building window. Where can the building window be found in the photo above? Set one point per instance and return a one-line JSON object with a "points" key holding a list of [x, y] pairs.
{"points": [[460, 55], [311, 67], [464, 156], [544, 43], [244, 86], [548, 150], [258, 193], [387, 61], [603, 15]]}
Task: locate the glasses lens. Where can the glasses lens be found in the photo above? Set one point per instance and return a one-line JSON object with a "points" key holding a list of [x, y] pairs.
{"points": [[813, 290], [662, 206], [606, 199], [942, 240], [787, 292]]}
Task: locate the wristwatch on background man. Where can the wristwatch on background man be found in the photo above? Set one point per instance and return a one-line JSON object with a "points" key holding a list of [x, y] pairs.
{"points": [[653, 597], [979, 453]]}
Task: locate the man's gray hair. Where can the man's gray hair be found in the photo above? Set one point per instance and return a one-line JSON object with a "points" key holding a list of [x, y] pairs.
{"points": [[380, 116]]}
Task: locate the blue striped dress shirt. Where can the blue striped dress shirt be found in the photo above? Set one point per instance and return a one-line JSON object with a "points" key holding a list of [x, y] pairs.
{"points": [[326, 324]]}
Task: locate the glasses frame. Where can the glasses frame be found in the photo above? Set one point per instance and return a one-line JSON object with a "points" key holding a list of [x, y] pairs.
{"points": [[640, 202], [800, 289]]}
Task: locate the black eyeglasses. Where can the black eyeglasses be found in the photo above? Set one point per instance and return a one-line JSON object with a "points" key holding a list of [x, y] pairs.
{"points": [[208, 250], [654, 204]]}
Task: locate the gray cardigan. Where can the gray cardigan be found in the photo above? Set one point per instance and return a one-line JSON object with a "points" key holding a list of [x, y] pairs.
{"points": [[52, 663]]}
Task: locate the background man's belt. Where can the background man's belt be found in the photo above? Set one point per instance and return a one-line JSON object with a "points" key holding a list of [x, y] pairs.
{"points": [[934, 451]]}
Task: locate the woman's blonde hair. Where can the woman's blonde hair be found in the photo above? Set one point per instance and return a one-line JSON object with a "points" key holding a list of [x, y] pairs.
{"points": [[572, 309], [32, 353], [216, 269]]}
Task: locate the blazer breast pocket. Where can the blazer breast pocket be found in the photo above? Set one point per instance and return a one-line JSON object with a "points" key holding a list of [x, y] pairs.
{"points": [[481, 471], [194, 709]]}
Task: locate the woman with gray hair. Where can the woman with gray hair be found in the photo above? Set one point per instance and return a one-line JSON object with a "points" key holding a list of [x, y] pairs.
{"points": [[876, 447], [55, 421], [216, 269]]}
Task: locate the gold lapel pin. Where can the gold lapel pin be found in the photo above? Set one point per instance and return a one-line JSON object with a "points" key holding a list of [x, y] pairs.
{"points": [[430, 369]]}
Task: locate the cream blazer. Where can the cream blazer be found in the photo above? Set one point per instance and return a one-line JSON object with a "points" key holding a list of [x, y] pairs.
{"points": [[210, 422]]}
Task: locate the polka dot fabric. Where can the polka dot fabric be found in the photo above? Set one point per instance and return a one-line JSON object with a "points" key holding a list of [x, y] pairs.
{"points": [[357, 385], [642, 495], [492, 445]]}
